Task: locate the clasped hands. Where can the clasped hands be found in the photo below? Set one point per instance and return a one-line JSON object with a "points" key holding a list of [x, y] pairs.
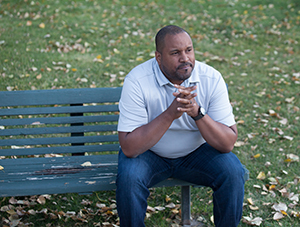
{"points": [[185, 101]]}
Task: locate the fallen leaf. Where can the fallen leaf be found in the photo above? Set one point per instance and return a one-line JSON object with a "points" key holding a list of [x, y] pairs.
{"points": [[253, 207], [279, 207], [256, 156], [239, 143], [42, 25], [86, 164], [159, 208], [41, 200], [261, 176], [278, 216], [250, 201], [293, 157]]}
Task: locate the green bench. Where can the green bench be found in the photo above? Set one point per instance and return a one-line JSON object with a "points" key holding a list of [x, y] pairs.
{"points": [[63, 141]]}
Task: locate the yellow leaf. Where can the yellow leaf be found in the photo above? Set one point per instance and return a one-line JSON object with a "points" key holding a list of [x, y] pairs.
{"points": [[283, 212], [109, 212], [261, 176], [139, 59], [250, 201], [272, 187], [42, 25], [168, 199], [256, 156], [99, 56], [74, 70], [241, 122]]}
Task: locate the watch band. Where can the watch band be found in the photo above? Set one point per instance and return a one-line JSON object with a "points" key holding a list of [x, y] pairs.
{"points": [[199, 116]]}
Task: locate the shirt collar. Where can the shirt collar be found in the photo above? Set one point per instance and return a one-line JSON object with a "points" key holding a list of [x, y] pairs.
{"points": [[162, 80]]}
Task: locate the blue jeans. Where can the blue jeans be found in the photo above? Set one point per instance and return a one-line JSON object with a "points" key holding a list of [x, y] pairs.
{"points": [[206, 166]]}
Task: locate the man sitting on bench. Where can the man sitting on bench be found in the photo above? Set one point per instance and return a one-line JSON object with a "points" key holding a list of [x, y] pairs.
{"points": [[176, 121]]}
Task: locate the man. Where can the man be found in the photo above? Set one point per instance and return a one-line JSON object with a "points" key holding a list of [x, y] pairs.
{"points": [[176, 121]]}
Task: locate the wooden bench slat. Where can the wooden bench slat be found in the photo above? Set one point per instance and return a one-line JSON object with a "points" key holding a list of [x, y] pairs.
{"points": [[59, 96], [59, 140], [58, 130], [59, 120], [57, 175], [59, 110], [62, 175], [60, 150]]}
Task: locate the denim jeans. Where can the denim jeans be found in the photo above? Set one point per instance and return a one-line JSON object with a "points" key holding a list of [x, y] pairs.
{"points": [[206, 166]]}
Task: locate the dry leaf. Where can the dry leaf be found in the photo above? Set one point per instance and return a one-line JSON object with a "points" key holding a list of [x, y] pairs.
{"points": [[261, 176], [278, 216], [279, 207], [41, 200], [253, 207], [293, 157], [168, 199], [42, 25], [86, 164], [250, 201], [239, 143], [39, 76], [256, 156]]}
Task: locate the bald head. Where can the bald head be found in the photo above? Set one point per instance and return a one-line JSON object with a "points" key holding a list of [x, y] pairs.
{"points": [[161, 34]]}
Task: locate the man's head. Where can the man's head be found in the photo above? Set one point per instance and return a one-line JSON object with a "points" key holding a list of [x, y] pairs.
{"points": [[175, 53]]}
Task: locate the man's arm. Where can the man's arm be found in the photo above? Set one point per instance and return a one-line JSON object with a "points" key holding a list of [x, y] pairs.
{"points": [[216, 134], [146, 136]]}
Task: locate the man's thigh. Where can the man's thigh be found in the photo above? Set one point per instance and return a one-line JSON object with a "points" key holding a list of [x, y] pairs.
{"points": [[206, 164], [148, 168]]}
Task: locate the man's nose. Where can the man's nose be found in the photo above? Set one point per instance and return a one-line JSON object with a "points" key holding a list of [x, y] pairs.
{"points": [[184, 57]]}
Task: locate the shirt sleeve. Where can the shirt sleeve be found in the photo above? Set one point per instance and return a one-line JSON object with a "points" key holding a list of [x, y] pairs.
{"points": [[132, 108], [219, 108]]}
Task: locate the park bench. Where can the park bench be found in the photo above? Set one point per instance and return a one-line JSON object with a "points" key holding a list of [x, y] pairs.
{"points": [[63, 141]]}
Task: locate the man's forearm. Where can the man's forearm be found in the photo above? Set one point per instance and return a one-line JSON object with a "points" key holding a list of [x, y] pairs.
{"points": [[218, 135], [143, 138]]}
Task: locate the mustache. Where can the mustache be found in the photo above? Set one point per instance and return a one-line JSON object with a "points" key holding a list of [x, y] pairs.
{"points": [[185, 64]]}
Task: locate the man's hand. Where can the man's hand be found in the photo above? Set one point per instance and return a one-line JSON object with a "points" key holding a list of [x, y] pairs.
{"points": [[185, 100]]}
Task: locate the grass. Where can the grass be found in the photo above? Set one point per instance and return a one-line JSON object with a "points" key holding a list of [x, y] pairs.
{"points": [[254, 44]]}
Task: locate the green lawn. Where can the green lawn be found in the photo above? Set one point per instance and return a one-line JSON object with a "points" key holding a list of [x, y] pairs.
{"points": [[255, 44]]}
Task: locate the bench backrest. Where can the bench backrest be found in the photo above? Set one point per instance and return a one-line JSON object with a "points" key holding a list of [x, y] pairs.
{"points": [[49, 121]]}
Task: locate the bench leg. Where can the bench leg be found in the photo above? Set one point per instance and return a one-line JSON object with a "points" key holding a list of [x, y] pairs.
{"points": [[186, 205]]}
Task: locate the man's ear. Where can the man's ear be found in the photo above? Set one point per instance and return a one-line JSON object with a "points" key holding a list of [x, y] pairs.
{"points": [[158, 57]]}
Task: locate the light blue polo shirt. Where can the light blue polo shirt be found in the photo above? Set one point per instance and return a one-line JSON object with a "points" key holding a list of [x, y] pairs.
{"points": [[147, 93]]}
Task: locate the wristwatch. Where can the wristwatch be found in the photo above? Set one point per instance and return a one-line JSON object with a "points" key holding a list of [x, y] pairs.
{"points": [[201, 113]]}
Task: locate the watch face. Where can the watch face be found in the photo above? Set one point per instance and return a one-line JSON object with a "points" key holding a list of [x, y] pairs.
{"points": [[202, 110]]}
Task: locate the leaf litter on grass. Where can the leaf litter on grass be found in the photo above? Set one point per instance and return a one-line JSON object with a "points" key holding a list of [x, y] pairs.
{"points": [[254, 44]]}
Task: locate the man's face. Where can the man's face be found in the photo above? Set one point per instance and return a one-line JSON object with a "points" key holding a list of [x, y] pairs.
{"points": [[177, 58]]}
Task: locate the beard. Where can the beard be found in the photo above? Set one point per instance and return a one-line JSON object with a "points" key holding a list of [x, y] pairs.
{"points": [[181, 73]]}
